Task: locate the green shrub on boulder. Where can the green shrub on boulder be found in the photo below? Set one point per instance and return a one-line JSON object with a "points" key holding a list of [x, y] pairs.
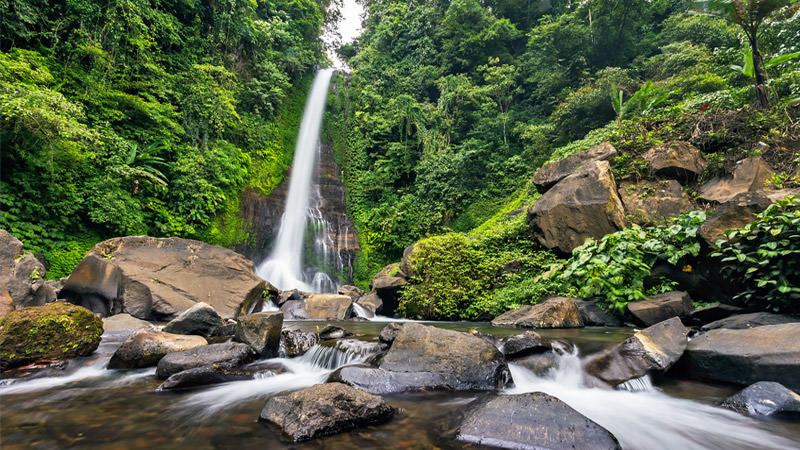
{"points": [[54, 331]]}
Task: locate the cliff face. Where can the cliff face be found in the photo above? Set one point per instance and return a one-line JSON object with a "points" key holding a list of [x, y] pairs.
{"points": [[336, 239]]}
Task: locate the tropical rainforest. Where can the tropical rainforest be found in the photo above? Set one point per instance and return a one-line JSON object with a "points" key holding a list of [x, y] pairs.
{"points": [[152, 116]]}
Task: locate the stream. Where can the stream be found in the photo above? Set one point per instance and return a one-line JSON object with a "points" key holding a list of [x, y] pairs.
{"points": [[88, 406]]}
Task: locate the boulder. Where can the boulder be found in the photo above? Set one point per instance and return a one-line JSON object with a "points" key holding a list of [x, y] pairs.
{"points": [[386, 285], [293, 294], [147, 346], [593, 315], [390, 332], [750, 174], [296, 342], [550, 174], [294, 310], [524, 344], [581, 206], [371, 302], [405, 263], [425, 358], [124, 323], [261, 331], [54, 331], [230, 353], [751, 320], [323, 410], [200, 319], [540, 363], [661, 307], [333, 332], [21, 277], [734, 213], [555, 312], [765, 398], [655, 348], [652, 202], [532, 421], [745, 356], [329, 306], [219, 373], [676, 160], [350, 291], [711, 313], [157, 279]]}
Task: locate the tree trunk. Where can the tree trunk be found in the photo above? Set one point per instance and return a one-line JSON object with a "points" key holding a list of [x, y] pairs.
{"points": [[760, 75]]}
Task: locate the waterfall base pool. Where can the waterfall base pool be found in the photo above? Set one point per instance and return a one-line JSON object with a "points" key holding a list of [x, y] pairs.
{"points": [[88, 406]]}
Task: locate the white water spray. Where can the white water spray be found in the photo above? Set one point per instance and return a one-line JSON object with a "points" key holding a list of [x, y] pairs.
{"points": [[284, 268]]}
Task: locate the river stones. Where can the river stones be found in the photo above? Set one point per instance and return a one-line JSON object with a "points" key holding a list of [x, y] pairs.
{"points": [[655, 348], [323, 410], [54, 331], [296, 342], [745, 356], [661, 307], [524, 344], [261, 331], [532, 421], [231, 353], [555, 312], [145, 347], [765, 398], [200, 319]]}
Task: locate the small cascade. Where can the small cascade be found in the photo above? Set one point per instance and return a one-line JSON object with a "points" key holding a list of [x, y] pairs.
{"points": [[641, 384], [331, 358], [361, 312]]}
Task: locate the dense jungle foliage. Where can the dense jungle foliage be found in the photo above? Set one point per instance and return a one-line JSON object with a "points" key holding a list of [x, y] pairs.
{"points": [[451, 106], [146, 116]]}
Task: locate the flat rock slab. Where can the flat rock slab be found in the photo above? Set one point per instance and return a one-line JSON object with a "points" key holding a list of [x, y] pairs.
{"points": [[323, 410], [746, 356], [231, 353], [532, 421], [765, 398], [157, 279], [661, 307], [555, 312], [751, 320], [550, 174], [145, 347]]}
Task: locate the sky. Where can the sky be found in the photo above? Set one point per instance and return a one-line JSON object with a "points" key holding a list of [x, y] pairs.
{"points": [[349, 28]]}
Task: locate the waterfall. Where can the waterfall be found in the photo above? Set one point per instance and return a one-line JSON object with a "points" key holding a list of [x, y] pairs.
{"points": [[283, 268]]}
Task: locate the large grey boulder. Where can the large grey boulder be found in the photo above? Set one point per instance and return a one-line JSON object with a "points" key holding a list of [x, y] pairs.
{"points": [[745, 356], [323, 410], [555, 312], [200, 319], [581, 206], [532, 421], [651, 202], [661, 307], [765, 398], [655, 348], [677, 160], [147, 346], [157, 279], [550, 174], [21, 277], [261, 331], [230, 353], [750, 174]]}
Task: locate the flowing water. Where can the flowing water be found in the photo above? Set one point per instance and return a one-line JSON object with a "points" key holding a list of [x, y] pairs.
{"points": [[91, 407]]}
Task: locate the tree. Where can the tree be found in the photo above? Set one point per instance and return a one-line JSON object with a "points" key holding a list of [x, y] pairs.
{"points": [[749, 15]]}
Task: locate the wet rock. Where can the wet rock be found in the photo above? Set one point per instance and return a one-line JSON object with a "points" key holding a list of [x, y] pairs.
{"points": [[765, 398], [651, 202], [350, 291], [555, 312], [121, 323], [292, 294], [147, 346], [540, 364], [371, 302], [711, 313], [750, 174], [389, 332], [734, 213], [323, 410], [661, 307], [581, 206], [677, 160], [231, 353], [745, 356], [21, 277], [296, 342], [333, 332], [424, 357], [751, 320], [655, 348], [524, 344], [550, 174], [261, 331], [228, 329], [593, 315], [54, 331], [532, 421], [203, 376], [294, 310], [329, 306], [157, 279], [200, 319], [386, 285]]}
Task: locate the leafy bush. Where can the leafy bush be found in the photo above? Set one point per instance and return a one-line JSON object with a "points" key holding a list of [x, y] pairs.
{"points": [[762, 259], [617, 267]]}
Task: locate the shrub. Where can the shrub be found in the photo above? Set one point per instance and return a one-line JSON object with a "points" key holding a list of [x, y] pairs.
{"points": [[762, 259]]}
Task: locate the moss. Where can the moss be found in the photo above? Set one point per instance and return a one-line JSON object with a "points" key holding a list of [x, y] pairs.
{"points": [[55, 331]]}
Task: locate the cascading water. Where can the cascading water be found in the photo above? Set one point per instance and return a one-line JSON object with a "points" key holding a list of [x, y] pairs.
{"points": [[283, 268]]}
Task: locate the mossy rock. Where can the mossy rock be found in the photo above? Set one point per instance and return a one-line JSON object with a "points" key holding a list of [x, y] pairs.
{"points": [[54, 331]]}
